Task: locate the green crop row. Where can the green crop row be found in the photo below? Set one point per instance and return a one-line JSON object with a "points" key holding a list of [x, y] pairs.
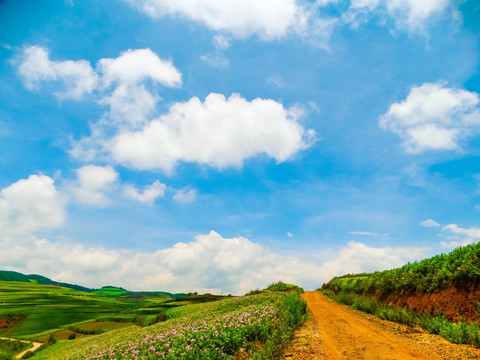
{"points": [[461, 268], [204, 331]]}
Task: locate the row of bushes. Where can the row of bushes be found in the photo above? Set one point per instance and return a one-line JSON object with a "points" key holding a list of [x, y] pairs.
{"points": [[292, 314], [458, 333], [461, 267]]}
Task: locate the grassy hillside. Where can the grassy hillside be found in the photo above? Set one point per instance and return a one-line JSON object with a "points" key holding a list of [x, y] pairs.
{"points": [[28, 309], [460, 268], [256, 325], [113, 291], [441, 294], [33, 311], [38, 279]]}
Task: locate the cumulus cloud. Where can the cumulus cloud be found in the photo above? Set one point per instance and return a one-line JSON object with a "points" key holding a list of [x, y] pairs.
{"points": [[454, 236], [149, 194], [31, 205], [130, 102], [430, 223], [358, 258], [275, 19], [185, 195], [218, 132], [473, 233], [408, 14], [120, 81], [240, 18], [78, 77], [433, 117], [93, 184], [210, 263], [133, 66]]}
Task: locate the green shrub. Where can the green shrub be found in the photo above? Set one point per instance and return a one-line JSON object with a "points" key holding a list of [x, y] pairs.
{"points": [[460, 267]]}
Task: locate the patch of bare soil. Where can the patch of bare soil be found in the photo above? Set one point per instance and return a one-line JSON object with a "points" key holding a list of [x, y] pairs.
{"points": [[337, 332], [11, 322], [451, 302]]}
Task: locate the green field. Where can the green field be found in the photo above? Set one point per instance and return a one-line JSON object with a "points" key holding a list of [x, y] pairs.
{"points": [[8, 348], [77, 324], [256, 326], [30, 310]]}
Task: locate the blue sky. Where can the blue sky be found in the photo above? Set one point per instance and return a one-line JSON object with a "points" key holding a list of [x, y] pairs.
{"points": [[219, 146]]}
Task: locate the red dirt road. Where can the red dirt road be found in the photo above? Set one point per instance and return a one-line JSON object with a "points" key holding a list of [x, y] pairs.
{"points": [[343, 334]]}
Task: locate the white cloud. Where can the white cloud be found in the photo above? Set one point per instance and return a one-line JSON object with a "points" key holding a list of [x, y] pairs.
{"points": [[209, 263], [452, 244], [413, 13], [218, 132], [221, 42], [78, 76], [433, 117], [93, 185], [149, 194], [363, 233], [241, 18], [473, 233], [358, 258], [120, 81], [408, 14], [31, 205], [185, 195], [216, 60], [289, 234], [134, 66], [130, 102], [456, 236], [430, 223]]}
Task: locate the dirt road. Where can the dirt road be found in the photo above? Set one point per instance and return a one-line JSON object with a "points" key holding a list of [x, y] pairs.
{"points": [[33, 348], [336, 332]]}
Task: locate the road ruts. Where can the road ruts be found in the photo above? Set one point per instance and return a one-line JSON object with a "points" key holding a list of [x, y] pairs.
{"points": [[345, 335]]}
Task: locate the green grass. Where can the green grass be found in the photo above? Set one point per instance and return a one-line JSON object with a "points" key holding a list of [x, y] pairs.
{"points": [[36, 310], [48, 307], [8, 348], [269, 318]]}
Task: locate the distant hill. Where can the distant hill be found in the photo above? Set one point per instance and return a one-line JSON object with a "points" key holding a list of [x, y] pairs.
{"points": [[114, 291], [38, 279], [110, 291]]}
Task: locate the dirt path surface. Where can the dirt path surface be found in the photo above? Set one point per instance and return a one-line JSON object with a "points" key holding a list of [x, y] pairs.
{"points": [[336, 332], [33, 348]]}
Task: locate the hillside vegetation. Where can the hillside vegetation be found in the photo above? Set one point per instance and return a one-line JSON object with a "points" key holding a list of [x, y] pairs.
{"points": [[440, 293], [34, 311], [460, 268], [254, 326], [38, 279]]}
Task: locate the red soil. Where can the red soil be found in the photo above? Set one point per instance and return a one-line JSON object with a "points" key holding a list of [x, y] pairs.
{"points": [[451, 302]]}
